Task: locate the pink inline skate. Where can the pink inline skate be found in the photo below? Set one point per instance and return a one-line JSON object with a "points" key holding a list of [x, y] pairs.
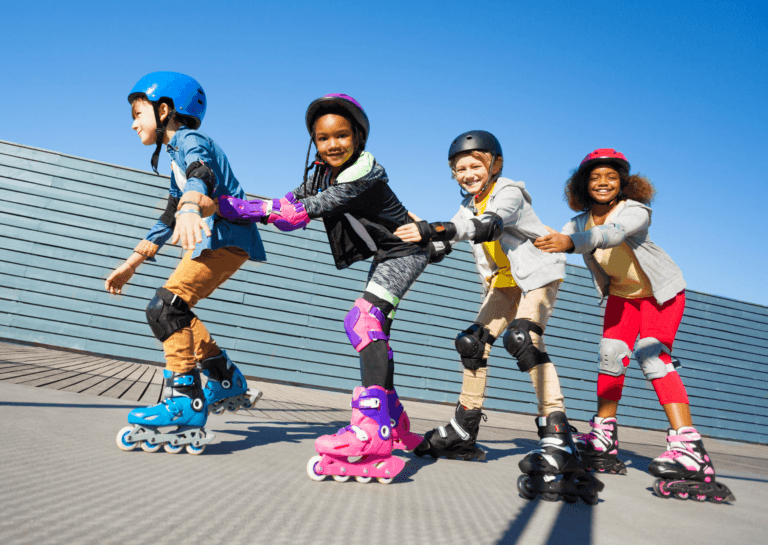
{"points": [[402, 436], [364, 448]]}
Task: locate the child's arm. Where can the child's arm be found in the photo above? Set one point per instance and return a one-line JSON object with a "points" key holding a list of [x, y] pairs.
{"points": [[120, 276], [610, 235]]}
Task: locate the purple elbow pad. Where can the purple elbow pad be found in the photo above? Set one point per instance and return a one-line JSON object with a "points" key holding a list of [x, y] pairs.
{"points": [[363, 324], [288, 214], [235, 209]]}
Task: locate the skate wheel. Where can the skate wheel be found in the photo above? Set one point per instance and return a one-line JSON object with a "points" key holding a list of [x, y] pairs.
{"points": [[592, 499], [122, 442], [699, 497], [681, 495], [170, 449], [382, 480], [570, 498], [341, 478], [549, 496], [146, 446], [718, 499], [194, 451], [525, 488], [660, 487], [311, 468], [364, 480]]}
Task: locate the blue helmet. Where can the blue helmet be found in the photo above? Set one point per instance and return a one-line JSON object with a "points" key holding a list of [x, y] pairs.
{"points": [[187, 94]]}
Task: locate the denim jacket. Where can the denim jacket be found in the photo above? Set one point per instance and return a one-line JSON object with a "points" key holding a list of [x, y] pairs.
{"points": [[186, 147]]}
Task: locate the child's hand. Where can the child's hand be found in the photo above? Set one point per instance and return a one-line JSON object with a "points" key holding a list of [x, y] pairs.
{"points": [[409, 232], [188, 230], [119, 278], [553, 243]]}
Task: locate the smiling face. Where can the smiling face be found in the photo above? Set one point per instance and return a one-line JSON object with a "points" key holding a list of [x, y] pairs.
{"points": [[471, 173], [335, 140], [604, 184], [144, 121]]}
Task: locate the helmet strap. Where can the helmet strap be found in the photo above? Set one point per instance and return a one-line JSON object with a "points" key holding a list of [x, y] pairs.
{"points": [[159, 135], [491, 177]]}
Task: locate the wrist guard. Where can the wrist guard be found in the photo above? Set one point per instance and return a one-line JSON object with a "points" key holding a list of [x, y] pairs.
{"points": [[439, 231]]}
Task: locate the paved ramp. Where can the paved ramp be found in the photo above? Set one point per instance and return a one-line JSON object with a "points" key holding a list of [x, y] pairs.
{"points": [[63, 480]]}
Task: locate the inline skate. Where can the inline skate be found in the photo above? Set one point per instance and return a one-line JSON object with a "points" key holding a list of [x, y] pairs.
{"points": [[457, 439], [363, 449], [183, 406], [554, 469], [685, 470], [226, 388], [402, 436], [599, 448]]}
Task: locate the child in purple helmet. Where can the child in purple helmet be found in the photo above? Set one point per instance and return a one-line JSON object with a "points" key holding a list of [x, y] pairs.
{"points": [[646, 297], [349, 189], [167, 109]]}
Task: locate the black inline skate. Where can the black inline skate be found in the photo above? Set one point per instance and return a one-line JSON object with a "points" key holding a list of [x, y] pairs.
{"points": [[457, 439], [599, 448], [554, 469], [685, 470]]}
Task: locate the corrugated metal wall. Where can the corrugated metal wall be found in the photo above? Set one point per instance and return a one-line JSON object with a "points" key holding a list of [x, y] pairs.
{"points": [[67, 222]]}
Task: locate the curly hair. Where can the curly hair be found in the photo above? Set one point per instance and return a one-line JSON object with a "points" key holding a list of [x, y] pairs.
{"points": [[635, 186]]}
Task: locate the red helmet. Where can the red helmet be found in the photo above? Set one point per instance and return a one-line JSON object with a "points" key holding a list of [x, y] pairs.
{"points": [[605, 156]]}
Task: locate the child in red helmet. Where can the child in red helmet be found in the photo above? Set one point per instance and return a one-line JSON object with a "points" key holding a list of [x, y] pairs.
{"points": [[646, 296]]}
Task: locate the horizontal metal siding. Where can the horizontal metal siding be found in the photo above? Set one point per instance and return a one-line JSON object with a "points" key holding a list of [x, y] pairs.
{"points": [[67, 222]]}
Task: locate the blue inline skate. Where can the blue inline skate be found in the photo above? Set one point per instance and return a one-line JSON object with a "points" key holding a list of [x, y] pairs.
{"points": [[226, 388], [183, 406]]}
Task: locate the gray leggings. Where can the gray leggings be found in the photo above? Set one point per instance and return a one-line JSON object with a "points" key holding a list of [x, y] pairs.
{"points": [[388, 282]]}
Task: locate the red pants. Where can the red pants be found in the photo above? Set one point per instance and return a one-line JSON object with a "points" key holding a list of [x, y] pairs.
{"points": [[624, 319]]}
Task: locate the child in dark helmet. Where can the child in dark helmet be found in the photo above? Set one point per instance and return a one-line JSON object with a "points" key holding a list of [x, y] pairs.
{"points": [[520, 284], [646, 296], [168, 108], [349, 189]]}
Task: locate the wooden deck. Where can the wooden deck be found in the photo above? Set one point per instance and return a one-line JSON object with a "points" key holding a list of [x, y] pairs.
{"points": [[80, 373]]}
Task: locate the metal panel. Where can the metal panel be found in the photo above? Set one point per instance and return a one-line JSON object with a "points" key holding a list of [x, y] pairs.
{"points": [[68, 221]]}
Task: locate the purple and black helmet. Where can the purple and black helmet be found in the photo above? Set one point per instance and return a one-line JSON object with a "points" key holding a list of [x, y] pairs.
{"points": [[345, 103]]}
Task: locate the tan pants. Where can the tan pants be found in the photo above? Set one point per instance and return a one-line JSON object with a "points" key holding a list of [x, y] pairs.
{"points": [[193, 280], [500, 307]]}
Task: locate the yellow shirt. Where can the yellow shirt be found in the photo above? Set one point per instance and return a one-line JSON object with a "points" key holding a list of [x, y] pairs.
{"points": [[627, 277], [502, 277]]}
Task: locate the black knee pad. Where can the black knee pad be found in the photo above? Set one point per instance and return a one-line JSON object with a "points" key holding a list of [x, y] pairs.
{"points": [[167, 313], [471, 343], [517, 341]]}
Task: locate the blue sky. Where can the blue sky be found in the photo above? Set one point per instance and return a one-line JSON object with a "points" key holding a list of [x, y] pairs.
{"points": [[679, 87]]}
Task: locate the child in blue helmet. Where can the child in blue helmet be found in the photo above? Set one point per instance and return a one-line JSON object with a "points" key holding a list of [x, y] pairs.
{"points": [[349, 189], [168, 108]]}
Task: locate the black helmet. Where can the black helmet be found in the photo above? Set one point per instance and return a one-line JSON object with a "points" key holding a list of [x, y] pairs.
{"points": [[344, 102], [475, 141]]}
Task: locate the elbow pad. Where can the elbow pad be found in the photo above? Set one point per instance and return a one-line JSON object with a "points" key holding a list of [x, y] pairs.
{"points": [[203, 172], [437, 252], [169, 216], [439, 231], [488, 228]]}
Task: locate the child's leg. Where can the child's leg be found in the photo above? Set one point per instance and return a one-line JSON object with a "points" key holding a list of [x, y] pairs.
{"points": [[621, 325], [497, 310], [193, 280], [658, 328], [536, 306]]}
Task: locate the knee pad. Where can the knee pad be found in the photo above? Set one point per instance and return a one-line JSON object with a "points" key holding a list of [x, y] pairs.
{"points": [[647, 352], [167, 313], [611, 358], [471, 343], [364, 324], [518, 342]]}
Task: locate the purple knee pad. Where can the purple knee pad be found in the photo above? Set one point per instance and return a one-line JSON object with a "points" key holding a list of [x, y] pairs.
{"points": [[363, 324]]}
